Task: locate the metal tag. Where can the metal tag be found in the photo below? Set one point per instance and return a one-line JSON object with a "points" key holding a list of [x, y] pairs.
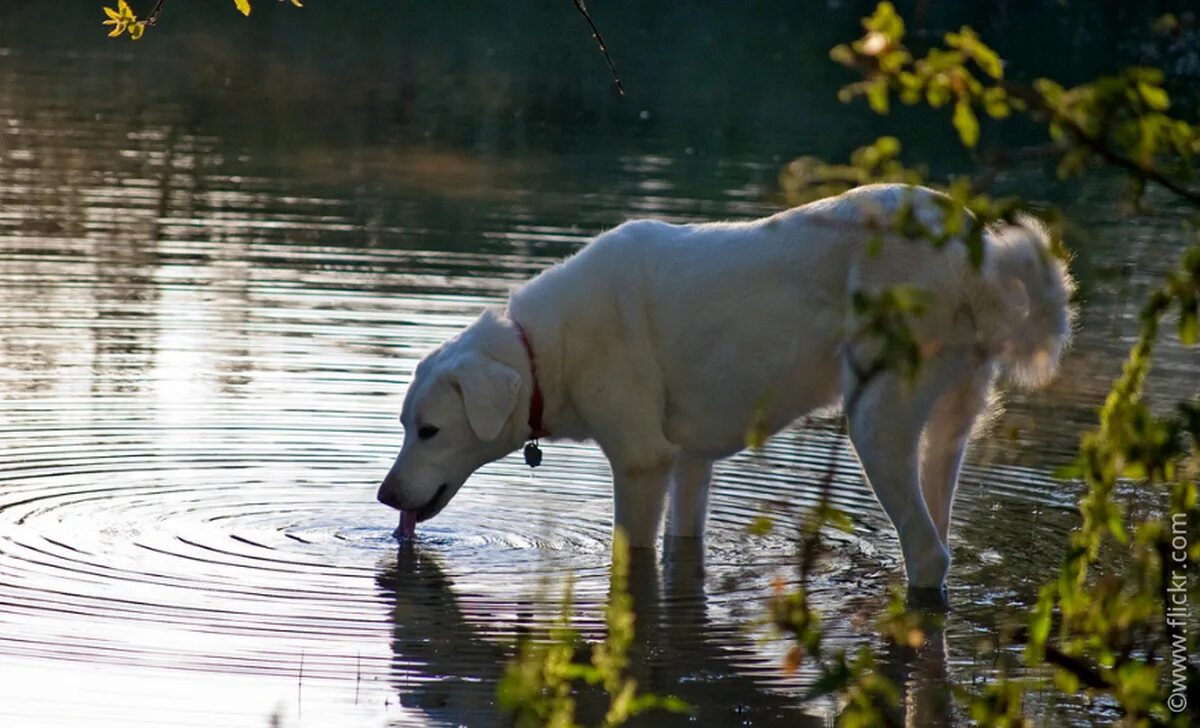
{"points": [[533, 454]]}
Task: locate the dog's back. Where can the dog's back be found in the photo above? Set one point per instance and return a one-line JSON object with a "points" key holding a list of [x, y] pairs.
{"points": [[769, 300]]}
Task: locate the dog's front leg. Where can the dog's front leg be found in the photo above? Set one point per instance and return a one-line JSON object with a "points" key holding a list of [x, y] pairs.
{"points": [[639, 492], [625, 417]]}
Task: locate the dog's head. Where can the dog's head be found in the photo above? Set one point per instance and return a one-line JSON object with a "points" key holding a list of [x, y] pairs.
{"points": [[459, 414]]}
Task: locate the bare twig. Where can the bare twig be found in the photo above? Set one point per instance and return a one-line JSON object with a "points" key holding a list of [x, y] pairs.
{"points": [[152, 18], [600, 42], [812, 540]]}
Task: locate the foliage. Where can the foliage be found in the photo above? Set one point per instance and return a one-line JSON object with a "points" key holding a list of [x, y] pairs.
{"points": [[1105, 623], [1112, 631], [867, 693], [124, 20], [886, 317], [1118, 120], [539, 684]]}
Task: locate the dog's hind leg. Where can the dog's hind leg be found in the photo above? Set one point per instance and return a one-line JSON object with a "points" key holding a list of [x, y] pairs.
{"points": [[945, 442], [886, 416], [690, 480]]}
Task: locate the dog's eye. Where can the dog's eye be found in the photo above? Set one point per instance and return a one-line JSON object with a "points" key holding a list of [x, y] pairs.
{"points": [[427, 431]]}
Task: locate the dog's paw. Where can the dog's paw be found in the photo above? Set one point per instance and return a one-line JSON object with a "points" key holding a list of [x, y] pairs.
{"points": [[927, 599], [930, 569]]}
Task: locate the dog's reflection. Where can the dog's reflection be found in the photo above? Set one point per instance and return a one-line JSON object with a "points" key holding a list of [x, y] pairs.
{"points": [[920, 675], [446, 662], [442, 664]]}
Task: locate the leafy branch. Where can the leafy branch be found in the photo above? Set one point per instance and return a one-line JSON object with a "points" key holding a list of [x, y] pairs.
{"points": [[1119, 120], [1109, 601], [538, 685]]}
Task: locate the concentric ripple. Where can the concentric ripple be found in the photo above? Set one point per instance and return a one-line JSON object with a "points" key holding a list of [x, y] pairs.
{"points": [[203, 347]]}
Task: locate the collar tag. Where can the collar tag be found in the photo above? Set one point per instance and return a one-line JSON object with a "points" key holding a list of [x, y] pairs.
{"points": [[533, 454]]}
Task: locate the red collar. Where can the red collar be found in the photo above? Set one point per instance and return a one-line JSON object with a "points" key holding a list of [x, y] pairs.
{"points": [[536, 428]]}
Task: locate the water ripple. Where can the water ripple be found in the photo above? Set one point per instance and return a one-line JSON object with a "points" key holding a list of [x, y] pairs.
{"points": [[202, 354]]}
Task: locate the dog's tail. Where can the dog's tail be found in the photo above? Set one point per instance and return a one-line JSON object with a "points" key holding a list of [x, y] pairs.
{"points": [[1037, 291]]}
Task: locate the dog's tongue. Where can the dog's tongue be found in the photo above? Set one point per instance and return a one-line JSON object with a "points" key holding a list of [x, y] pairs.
{"points": [[408, 526]]}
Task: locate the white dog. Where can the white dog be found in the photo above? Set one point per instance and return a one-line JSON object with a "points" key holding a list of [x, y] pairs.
{"points": [[666, 343]]}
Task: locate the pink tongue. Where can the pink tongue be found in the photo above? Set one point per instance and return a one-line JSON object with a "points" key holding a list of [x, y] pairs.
{"points": [[407, 529]]}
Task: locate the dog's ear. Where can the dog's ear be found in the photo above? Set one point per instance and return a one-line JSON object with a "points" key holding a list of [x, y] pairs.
{"points": [[489, 391]]}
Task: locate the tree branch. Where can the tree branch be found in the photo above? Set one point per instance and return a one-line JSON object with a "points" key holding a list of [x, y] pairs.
{"points": [[1098, 146], [152, 18], [1088, 675], [600, 42], [869, 67]]}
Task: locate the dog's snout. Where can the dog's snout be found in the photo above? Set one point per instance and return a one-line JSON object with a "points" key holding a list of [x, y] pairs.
{"points": [[387, 497]]}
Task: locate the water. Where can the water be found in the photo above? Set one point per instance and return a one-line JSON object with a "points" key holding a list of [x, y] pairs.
{"points": [[211, 300]]}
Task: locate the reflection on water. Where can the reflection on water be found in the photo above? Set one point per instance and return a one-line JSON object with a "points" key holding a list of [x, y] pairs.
{"points": [[677, 649], [205, 334]]}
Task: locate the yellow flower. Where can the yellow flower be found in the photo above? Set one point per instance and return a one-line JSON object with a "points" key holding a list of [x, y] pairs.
{"points": [[115, 20], [123, 19], [244, 5], [118, 27]]}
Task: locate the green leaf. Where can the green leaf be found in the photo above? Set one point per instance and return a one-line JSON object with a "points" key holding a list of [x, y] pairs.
{"points": [[877, 96], [1191, 260], [1154, 96], [1039, 624], [995, 102], [760, 526], [1070, 471], [988, 60], [974, 243], [1066, 681], [885, 20], [1116, 527], [888, 146], [965, 122], [1188, 324], [834, 678], [968, 42], [937, 93], [839, 520], [842, 54]]}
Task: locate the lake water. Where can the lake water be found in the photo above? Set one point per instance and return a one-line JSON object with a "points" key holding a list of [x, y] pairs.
{"points": [[219, 265]]}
